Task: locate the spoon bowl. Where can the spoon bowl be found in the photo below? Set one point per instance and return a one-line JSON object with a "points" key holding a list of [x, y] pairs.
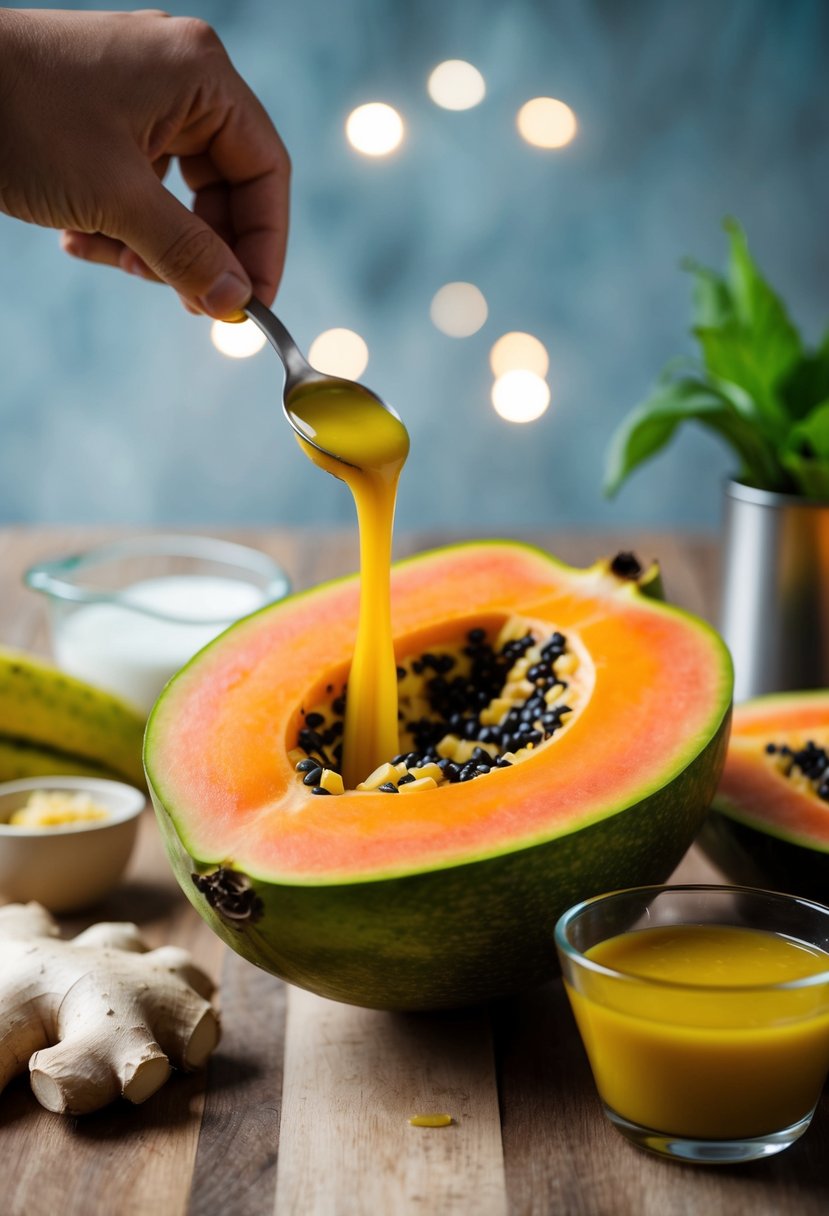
{"points": [[359, 429]]}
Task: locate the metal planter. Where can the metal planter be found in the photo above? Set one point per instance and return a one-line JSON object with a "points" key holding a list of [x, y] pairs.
{"points": [[775, 605]]}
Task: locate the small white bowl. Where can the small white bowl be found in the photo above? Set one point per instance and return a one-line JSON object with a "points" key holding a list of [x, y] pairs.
{"points": [[71, 866]]}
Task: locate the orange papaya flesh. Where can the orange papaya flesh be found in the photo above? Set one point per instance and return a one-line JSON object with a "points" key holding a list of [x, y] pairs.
{"points": [[769, 824], [449, 895]]}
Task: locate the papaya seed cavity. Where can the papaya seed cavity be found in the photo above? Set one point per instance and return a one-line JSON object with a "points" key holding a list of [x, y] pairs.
{"points": [[466, 709], [807, 767]]}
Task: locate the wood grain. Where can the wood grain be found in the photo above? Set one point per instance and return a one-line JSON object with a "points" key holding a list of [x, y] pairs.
{"points": [[235, 1165], [353, 1077], [562, 1156]]}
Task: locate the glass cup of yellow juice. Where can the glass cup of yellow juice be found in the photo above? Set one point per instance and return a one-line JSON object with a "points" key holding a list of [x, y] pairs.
{"points": [[704, 1012]]}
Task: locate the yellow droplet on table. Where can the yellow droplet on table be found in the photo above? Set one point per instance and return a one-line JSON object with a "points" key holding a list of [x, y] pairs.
{"points": [[431, 1120]]}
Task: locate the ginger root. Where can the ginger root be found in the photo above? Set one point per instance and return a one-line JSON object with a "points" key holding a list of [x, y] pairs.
{"points": [[98, 1016]]}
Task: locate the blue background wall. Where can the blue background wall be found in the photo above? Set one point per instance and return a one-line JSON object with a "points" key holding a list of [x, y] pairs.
{"points": [[114, 406]]}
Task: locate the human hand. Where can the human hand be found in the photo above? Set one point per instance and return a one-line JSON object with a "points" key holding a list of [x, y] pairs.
{"points": [[93, 106]]}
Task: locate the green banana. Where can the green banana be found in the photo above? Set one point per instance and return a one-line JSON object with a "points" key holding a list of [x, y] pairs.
{"points": [[19, 759], [43, 706]]}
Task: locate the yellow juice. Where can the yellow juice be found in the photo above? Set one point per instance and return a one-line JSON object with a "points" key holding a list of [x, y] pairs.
{"points": [[374, 443], [705, 1051]]}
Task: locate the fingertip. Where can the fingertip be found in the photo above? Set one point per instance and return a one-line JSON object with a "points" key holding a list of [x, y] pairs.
{"points": [[169, 243], [266, 292], [70, 243], [133, 264], [226, 296], [191, 308]]}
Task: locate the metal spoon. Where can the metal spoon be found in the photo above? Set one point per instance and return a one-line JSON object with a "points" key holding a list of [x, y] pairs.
{"points": [[299, 375]]}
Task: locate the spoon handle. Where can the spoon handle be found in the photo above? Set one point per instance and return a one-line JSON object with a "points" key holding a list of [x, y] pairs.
{"points": [[295, 364]]}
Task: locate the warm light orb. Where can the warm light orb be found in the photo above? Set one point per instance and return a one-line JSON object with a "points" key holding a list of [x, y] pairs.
{"points": [[519, 350], [520, 396], [458, 309], [546, 122], [237, 340], [339, 352], [456, 85], [375, 129]]}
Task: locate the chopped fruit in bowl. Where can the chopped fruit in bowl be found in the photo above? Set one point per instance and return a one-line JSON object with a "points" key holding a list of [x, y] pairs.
{"points": [[65, 841], [57, 809]]}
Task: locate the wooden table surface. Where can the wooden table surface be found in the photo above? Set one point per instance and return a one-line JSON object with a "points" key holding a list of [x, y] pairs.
{"points": [[303, 1109]]}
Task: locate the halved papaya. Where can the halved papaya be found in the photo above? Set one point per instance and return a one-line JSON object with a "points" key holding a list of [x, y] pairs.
{"points": [[769, 825], [596, 762]]}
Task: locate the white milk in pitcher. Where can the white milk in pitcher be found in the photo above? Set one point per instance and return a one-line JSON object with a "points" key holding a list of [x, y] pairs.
{"points": [[134, 645]]}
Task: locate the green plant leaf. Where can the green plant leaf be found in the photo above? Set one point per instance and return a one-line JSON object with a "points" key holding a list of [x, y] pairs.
{"points": [[810, 477], [677, 367], [769, 337], [806, 454], [649, 427], [712, 303], [756, 387], [730, 356], [811, 435], [807, 384]]}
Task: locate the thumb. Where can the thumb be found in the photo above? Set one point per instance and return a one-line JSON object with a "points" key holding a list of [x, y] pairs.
{"points": [[184, 252]]}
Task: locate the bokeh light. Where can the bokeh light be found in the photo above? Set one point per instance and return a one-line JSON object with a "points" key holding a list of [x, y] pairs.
{"points": [[458, 309], [520, 396], [339, 352], [237, 340], [519, 350], [456, 85], [546, 122], [374, 129]]}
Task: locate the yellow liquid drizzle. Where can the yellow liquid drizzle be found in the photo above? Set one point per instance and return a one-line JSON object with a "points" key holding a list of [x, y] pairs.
{"points": [[375, 445]]}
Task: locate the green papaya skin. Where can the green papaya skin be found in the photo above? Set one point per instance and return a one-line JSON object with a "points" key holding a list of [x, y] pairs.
{"points": [[754, 858], [457, 936]]}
